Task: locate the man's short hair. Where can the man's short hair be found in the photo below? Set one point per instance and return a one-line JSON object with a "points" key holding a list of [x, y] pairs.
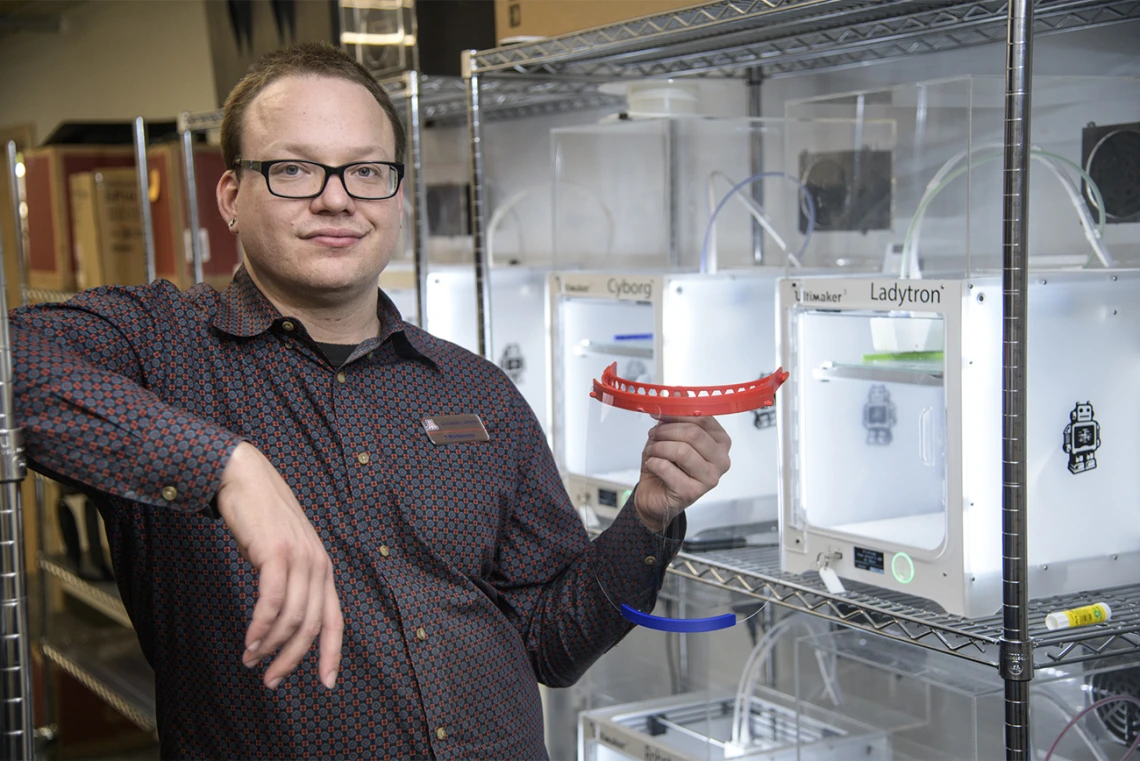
{"points": [[304, 59]]}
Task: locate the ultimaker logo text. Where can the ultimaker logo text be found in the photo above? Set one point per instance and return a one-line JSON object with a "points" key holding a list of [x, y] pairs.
{"points": [[900, 295], [804, 296]]}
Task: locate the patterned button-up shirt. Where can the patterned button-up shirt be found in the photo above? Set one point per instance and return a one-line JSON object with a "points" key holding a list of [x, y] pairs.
{"points": [[464, 573]]}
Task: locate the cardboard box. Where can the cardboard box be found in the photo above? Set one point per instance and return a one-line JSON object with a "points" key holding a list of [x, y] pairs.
{"points": [[51, 259], [550, 18], [170, 217], [107, 228]]}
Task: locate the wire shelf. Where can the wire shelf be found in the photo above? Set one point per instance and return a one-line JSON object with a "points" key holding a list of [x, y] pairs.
{"points": [[755, 572], [443, 100], [101, 595], [111, 665], [44, 295], [783, 37]]}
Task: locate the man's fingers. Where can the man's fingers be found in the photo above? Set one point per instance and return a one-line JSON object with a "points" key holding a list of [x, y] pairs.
{"points": [[679, 482], [686, 460], [294, 570], [708, 425], [301, 640], [332, 635], [272, 582], [700, 439], [706, 422], [293, 612]]}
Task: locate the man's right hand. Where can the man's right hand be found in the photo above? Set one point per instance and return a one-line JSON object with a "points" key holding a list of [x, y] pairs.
{"points": [[297, 599]]}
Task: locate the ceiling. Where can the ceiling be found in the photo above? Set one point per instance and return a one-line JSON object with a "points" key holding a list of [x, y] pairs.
{"points": [[35, 16]]}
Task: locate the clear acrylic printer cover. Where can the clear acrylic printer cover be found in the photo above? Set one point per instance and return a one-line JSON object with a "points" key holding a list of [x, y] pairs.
{"points": [[939, 707], [722, 695], [911, 176], [660, 180]]}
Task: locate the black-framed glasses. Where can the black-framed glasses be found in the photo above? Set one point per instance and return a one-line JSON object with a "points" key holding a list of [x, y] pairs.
{"points": [[363, 180]]}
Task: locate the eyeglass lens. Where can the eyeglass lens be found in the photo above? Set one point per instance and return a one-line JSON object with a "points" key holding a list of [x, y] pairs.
{"points": [[300, 179]]}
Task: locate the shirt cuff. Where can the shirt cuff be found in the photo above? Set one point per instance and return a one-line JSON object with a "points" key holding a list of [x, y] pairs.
{"points": [[633, 559], [187, 474]]}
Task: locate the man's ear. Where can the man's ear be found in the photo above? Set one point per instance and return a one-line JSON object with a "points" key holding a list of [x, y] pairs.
{"points": [[227, 198]]}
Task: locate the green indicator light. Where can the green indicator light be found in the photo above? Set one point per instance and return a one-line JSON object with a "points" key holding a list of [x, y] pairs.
{"points": [[902, 567], [625, 496]]}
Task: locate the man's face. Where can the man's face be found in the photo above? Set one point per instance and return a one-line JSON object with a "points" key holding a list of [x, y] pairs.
{"points": [[319, 246]]}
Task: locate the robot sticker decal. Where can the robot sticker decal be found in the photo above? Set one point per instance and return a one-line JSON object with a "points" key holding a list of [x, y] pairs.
{"points": [[1082, 438], [513, 363], [879, 416], [764, 417]]}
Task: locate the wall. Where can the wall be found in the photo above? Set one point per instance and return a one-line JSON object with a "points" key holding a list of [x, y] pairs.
{"points": [[114, 60]]}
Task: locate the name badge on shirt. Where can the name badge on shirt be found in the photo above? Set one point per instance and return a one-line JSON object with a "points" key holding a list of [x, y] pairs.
{"points": [[455, 429]]}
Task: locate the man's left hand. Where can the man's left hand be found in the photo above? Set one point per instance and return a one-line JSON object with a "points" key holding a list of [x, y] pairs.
{"points": [[683, 459]]}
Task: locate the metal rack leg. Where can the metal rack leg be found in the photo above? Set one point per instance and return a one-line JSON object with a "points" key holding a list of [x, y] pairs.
{"points": [[17, 222], [419, 201], [191, 205], [17, 736], [144, 196], [1017, 651], [47, 732], [478, 228], [754, 82]]}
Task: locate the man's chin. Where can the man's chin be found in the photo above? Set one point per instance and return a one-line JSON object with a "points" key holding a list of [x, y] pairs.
{"points": [[342, 280]]}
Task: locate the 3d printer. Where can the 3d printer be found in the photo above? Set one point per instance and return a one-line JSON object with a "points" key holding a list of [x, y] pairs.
{"points": [[891, 422]]}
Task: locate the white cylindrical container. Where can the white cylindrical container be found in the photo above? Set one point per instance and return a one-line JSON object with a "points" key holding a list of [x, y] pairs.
{"points": [[1086, 615]]}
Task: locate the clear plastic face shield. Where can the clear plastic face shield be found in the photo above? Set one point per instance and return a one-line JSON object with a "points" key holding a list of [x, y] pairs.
{"points": [[627, 412]]}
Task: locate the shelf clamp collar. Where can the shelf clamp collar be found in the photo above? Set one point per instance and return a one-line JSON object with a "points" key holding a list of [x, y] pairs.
{"points": [[1017, 660], [13, 464]]}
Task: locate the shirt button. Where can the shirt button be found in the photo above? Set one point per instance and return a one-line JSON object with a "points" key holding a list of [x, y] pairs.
{"points": [[651, 560], [384, 551], [441, 734], [169, 493], [287, 326], [341, 377], [421, 635], [362, 458]]}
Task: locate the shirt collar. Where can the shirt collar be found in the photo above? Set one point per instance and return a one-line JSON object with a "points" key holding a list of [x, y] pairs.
{"points": [[244, 312]]}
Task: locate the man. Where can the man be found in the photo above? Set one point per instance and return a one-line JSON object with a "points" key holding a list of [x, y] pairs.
{"points": [[309, 574]]}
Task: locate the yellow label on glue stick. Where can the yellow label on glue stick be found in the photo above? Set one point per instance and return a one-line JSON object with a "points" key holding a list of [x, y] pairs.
{"points": [[1086, 615]]}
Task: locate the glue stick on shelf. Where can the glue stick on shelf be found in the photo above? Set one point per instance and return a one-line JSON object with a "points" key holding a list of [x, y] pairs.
{"points": [[1097, 613]]}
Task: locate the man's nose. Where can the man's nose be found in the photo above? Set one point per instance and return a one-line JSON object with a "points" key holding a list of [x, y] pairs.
{"points": [[335, 195]]}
